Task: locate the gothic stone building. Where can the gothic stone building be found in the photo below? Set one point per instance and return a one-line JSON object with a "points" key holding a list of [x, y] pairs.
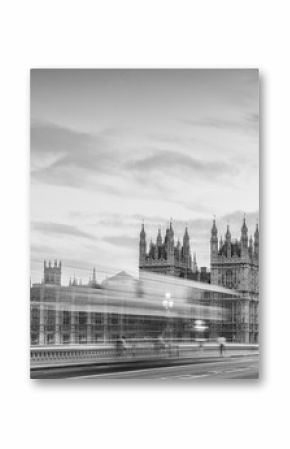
{"points": [[235, 265], [166, 257]]}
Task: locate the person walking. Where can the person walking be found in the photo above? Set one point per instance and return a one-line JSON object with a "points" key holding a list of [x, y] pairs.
{"points": [[221, 342]]}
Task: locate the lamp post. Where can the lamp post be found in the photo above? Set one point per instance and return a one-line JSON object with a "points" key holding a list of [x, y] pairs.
{"points": [[167, 304]]}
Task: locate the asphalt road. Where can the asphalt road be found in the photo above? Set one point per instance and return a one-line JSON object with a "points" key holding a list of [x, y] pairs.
{"points": [[246, 367]]}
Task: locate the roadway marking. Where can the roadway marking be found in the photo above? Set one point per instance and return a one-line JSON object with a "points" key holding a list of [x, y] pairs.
{"points": [[236, 370], [185, 376], [154, 370]]}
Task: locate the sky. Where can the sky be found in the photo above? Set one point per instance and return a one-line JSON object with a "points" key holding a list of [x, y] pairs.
{"points": [[111, 148]]}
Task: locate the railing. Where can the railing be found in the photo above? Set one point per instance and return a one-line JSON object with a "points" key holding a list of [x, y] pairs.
{"points": [[49, 356]]}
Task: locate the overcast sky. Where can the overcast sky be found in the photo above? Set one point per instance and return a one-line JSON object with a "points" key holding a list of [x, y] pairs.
{"points": [[111, 147]]}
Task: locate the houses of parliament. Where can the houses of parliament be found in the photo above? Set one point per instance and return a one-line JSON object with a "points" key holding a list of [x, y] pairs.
{"points": [[61, 314], [166, 257], [234, 264]]}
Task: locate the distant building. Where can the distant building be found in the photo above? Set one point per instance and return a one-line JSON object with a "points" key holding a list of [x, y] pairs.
{"points": [[52, 273], [61, 314], [121, 306], [170, 258]]}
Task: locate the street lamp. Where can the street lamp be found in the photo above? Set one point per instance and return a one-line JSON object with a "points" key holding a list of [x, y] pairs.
{"points": [[200, 327], [167, 304]]}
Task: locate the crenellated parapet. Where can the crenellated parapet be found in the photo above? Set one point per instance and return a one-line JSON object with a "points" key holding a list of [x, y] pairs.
{"points": [[52, 272]]}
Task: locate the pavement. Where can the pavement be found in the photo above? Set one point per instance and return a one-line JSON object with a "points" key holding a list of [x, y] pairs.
{"points": [[227, 367]]}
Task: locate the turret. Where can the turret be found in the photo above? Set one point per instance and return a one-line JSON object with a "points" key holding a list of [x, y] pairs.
{"points": [[244, 239], [171, 232], [228, 241], [251, 247], [151, 250], [194, 263], [186, 249], [178, 251], [159, 238], [169, 244], [142, 246], [93, 280], [256, 242], [214, 241], [221, 243]]}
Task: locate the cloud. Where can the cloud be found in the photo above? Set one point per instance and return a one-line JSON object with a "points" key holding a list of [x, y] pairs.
{"points": [[49, 228], [178, 162], [62, 156], [248, 123], [122, 240]]}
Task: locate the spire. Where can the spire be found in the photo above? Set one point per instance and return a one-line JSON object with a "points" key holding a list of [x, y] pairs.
{"points": [[213, 241], [159, 237], [244, 228], [256, 242], [251, 246], [142, 232], [94, 278], [228, 234], [214, 230], [194, 264], [256, 235], [171, 232], [244, 239], [228, 242]]}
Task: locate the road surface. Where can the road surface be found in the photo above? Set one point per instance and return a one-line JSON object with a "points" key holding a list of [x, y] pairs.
{"points": [[239, 367], [223, 368]]}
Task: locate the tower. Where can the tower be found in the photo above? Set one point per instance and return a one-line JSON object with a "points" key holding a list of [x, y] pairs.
{"points": [[244, 240], [251, 247], [256, 243], [213, 241], [236, 266], [186, 250], [169, 244], [52, 273], [228, 242]]}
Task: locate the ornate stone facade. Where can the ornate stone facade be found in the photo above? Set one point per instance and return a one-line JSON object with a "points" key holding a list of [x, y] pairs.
{"points": [[235, 265], [166, 257]]}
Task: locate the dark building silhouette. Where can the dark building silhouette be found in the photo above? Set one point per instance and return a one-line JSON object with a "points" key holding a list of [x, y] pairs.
{"points": [[167, 257]]}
